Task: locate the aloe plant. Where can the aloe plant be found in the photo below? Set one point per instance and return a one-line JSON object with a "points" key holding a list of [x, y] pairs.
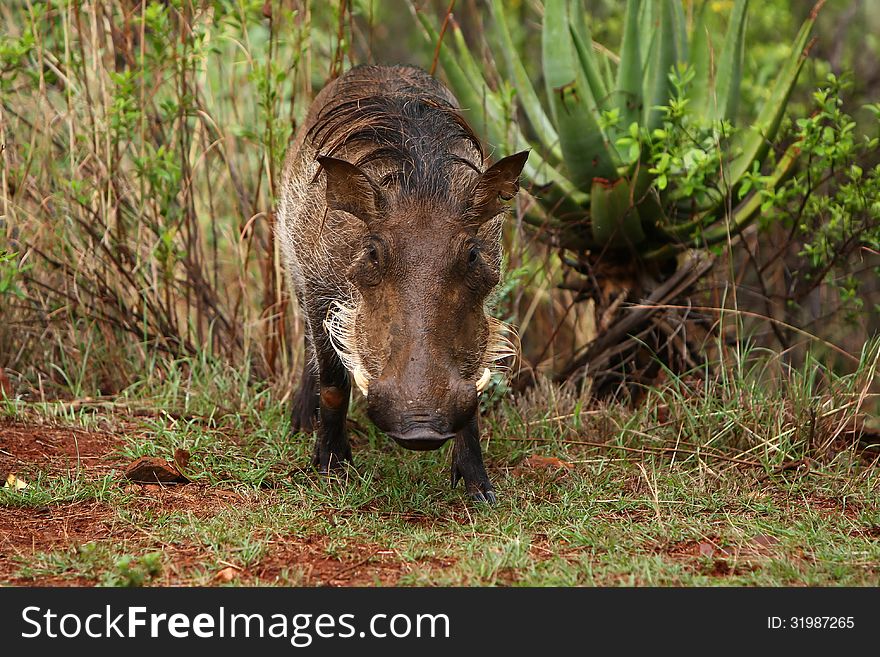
{"points": [[597, 141], [636, 158]]}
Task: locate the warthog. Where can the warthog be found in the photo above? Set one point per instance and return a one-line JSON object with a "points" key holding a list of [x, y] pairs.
{"points": [[390, 230]]}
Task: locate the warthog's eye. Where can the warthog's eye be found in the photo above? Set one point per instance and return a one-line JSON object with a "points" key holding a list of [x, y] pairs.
{"points": [[372, 254], [367, 269], [479, 276]]}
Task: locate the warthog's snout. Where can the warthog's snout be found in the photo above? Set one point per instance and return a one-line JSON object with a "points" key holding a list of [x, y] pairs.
{"points": [[421, 421], [421, 438]]}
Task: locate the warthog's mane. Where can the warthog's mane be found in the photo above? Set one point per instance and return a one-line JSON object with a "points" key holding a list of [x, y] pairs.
{"points": [[415, 137]]}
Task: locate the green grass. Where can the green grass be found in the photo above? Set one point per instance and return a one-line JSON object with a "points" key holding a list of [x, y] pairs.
{"points": [[757, 493]]}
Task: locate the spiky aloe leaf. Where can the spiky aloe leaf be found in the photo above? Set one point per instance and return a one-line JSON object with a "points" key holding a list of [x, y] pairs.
{"points": [[701, 60], [528, 99], [657, 83], [586, 153], [488, 115], [629, 72], [646, 197], [607, 75], [582, 39], [729, 73], [614, 220], [681, 37], [492, 101], [473, 94], [647, 31], [755, 142]]}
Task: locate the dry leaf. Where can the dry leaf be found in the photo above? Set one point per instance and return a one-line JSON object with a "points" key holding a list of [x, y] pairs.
{"points": [[548, 462], [181, 458], [227, 574], [15, 483], [150, 470], [763, 543]]}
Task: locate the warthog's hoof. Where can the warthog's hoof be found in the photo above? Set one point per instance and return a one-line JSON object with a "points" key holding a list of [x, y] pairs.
{"points": [[326, 460], [476, 482], [488, 497]]}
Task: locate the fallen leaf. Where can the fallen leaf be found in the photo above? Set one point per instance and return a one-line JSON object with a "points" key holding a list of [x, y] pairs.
{"points": [[181, 458], [228, 493], [227, 574], [546, 462], [150, 470], [15, 483], [707, 550]]}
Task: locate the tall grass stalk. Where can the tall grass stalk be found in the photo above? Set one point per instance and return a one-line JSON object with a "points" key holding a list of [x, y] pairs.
{"points": [[142, 143]]}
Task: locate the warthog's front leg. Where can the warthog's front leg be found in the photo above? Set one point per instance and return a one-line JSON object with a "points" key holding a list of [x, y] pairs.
{"points": [[331, 443], [467, 463], [304, 405]]}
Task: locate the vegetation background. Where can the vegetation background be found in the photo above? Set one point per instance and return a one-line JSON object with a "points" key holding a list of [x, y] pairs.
{"points": [[143, 310]]}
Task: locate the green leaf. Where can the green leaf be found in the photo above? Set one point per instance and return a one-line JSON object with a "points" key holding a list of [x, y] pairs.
{"points": [[607, 75], [584, 148], [755, 142], [614, 220], [528, 99], [729, 72], [701, 60], [629, 73], [582, 40], [647, 30], [681, 38], [742, 215], [468, 64], [657, 83]]}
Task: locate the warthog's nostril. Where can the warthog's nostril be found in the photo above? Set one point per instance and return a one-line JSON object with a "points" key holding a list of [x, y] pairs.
{"points": [[416, 418]]}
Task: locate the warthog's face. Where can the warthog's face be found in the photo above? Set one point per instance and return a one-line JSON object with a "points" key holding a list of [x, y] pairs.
{"points": [[416, 338]]}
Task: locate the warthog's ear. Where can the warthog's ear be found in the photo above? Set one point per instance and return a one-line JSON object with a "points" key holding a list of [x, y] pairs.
{"points": [[500, 182], [351, 190]]}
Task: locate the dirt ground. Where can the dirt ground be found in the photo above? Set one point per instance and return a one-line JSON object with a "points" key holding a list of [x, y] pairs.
{"points": [[85, 515], [50, 451]]}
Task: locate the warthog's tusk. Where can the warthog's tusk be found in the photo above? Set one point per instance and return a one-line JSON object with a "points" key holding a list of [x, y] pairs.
{"points": [[483, 381], [361, 380]]}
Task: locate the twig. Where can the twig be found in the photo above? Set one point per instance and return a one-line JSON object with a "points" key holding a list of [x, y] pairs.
{"points": [[636, 450], [442, 33]]}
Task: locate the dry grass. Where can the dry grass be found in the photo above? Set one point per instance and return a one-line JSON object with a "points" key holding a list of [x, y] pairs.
{"points": [[142, 142]]}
